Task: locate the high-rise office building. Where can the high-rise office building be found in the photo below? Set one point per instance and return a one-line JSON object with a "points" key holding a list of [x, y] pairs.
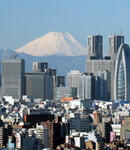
{"points": [[39, 85], [95, 66], [73, 78], [103, 85], [42, 67], [122, 74], [53, 73], [39, 67], [13, 81], [86, 87], [114, 43], [95, 46]]}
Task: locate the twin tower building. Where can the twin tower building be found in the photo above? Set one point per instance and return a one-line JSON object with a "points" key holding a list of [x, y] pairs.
{"points": [[114, 69]]}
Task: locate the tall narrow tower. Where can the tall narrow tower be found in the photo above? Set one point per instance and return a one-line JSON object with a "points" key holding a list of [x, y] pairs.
{"points": [[114, 43], [95, 46], [122, 74]]}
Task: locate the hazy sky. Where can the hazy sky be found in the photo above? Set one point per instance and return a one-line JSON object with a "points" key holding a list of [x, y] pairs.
{"points": [[24, 20]]}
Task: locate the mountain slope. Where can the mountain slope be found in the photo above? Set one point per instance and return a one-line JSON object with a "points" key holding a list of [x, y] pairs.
{"points": [[54, 43]]}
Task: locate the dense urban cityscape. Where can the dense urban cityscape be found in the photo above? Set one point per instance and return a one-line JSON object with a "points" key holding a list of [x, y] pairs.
{"points": [[87, 110]]}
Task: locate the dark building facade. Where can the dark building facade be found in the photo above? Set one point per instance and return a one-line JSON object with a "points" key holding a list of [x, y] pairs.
{"points": [[95, 46], [13, 80], [103, 85], [60, 81], [39, 85], [56, 132], [3, 137], [114, 43], [104, 130], [33, 119]]}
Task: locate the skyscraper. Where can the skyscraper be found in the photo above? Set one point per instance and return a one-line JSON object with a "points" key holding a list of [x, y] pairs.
{"points": [[100, 65], [122, 74], [103, 85], [42, 67], [39, 85], [13, 81], [114, 43], [94, 48], [86, 87], [73, 79]]}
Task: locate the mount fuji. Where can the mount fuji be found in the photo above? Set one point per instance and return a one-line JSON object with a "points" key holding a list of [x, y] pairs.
{"points": [[54, 43], [62, 52]]}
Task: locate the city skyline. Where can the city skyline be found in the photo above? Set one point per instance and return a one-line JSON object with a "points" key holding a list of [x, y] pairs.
{"points": [[64, 75]]}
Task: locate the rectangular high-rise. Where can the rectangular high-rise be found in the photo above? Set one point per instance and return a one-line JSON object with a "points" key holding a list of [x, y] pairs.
{"points": [[86, 89], [94, 47], [13, 81], [96, 65], [114, 43], [103, 85], [73, 78], [39, 85]]}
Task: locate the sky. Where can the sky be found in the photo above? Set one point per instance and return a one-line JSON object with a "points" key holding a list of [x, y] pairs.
{"points": [[22, 21]]}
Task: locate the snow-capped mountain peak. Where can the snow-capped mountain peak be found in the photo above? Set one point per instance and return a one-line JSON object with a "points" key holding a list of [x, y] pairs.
{"points": [[54, 43]]}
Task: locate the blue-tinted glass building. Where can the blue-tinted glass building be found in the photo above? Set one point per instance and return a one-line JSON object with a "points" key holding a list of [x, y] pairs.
{"points": [[122, 74]]}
